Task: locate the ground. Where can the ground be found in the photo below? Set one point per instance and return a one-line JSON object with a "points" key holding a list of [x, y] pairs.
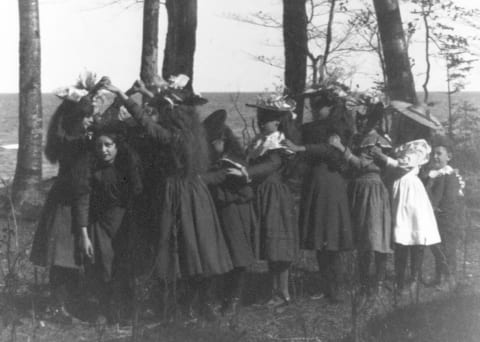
{"points": [[439, 316]]}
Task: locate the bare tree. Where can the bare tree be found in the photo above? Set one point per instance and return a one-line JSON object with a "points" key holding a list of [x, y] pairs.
{"points": [[296, 47], [181, 38], [149, 64], [28, 172]]}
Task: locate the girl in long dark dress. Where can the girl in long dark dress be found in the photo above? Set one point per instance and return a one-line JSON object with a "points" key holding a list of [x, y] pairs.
{"points": [[107, 181], [369, 201], [267, 161], [55, 243], [325, 223], [233, 198], [191, 242]]}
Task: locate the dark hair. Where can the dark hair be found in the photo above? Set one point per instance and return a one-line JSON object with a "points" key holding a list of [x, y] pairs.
{"points": [[442, 141], [189, 144], [126, 160], [232, 146], [374, 115], [67, 120]]}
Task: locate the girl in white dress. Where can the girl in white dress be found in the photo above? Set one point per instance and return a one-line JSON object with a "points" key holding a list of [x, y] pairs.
{"points": [[414, 223]]}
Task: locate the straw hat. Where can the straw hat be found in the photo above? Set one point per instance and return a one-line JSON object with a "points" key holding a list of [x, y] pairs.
{"points": [[273, 107], [418, 113]]}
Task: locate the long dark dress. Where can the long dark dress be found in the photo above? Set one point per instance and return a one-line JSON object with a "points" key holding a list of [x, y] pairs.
{"points": [[234, 202], [274, 207], [191, 240], [324, 218], [103, 199], [56, 239], [370, 204]]}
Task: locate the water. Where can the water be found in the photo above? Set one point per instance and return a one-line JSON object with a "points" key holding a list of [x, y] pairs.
{"points": [[233, 103]]}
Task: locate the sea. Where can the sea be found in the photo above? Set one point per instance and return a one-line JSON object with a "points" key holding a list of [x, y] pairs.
{"points": [[239, 117]]}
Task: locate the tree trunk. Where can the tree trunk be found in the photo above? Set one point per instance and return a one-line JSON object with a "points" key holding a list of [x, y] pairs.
{"points": [[328, 41], [296, 47], [181, 38], [28, 172], [399, 74], [149, 64]]}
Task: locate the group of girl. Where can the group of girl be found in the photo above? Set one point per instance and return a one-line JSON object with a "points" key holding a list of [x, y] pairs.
{"points": [[212, 208]]}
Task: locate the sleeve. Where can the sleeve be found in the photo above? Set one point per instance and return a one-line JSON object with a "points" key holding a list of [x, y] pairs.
{"points": [[153, 129], [214, 177], [452, 187], [318, 150], [435, 189], [360, 162], [81, 192], [272, 163]]}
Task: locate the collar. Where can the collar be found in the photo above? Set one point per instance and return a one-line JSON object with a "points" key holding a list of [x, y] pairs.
{"points": [[446, 170], [264, 143]]}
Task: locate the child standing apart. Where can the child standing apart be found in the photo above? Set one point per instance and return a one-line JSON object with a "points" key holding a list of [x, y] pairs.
{"points": [[443, 188]]}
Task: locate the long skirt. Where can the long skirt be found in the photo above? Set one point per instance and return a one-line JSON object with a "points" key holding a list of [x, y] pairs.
{"points": [[55, 241], [325, 221], [413, 216], [109, 236], [240, 229], [371, 214], [191, 241], [277, 223]]}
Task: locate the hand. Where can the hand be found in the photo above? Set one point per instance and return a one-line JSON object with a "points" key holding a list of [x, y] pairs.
{"points": [[375, 151], [123, 114], [110, 87], [291, 146], [234, 172], [336, 142], [86, 246]]}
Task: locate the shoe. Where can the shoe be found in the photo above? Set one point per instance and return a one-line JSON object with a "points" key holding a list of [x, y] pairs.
{"points": [[209, 312], [317, 296], [61, 316], [230, 307]]}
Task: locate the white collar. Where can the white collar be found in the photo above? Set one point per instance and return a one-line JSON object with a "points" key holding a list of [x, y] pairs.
{"points": [[446, 170], [263, 143]]}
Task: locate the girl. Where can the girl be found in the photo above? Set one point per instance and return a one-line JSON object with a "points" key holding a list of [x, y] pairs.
{"points": [[273, 201], [106, 184], [55, 243], [414, 223], [369, 201], [324, 211], [233, 198], [191, 242]]}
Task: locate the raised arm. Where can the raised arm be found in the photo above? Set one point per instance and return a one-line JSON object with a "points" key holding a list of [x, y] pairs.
{"points": [[153, 129]]}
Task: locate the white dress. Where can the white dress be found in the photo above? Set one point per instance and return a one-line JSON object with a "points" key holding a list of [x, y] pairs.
{"points": [[413, 217]]}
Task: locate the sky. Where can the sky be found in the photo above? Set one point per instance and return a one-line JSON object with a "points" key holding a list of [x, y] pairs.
{"points": [[106, 38]]}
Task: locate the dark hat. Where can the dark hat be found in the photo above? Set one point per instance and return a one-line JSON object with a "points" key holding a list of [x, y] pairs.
{"points": [[214, 124], [419, 113]]}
